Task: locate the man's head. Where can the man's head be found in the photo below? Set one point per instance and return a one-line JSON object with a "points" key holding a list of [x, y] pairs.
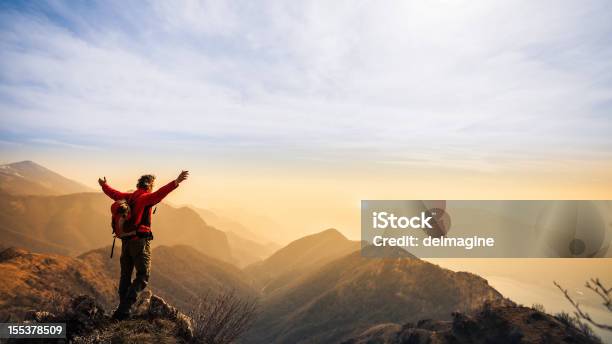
{"points": [[146, 182]]}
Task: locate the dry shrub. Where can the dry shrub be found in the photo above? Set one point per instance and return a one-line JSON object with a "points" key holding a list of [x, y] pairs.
{"points": [[222, 318]]}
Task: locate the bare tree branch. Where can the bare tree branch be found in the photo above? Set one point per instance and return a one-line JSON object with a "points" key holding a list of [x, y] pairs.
{"points": [[579, 312], [604, 293]]}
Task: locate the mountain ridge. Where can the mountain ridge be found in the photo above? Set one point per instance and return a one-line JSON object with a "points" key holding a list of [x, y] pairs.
{"points": [[246, 251], [352, 293], [29, 178], [491, 324], [298, 258], [75, 223]]}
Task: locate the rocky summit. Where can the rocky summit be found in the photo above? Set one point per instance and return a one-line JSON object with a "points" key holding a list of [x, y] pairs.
{"points": [[153, 321]]}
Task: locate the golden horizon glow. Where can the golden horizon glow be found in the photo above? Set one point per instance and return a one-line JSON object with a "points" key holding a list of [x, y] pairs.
{"points": [[297, 202]]}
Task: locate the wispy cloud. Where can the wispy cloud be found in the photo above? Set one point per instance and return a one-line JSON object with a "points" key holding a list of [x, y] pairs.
{"points": [[491, 82], [56, 143]]}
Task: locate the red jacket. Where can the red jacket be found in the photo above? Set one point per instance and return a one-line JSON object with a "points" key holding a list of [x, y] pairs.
{"points": [[142, 202]]}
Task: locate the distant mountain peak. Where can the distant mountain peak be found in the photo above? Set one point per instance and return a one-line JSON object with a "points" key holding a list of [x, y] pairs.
{"points": [[300, 257], [29, 178], [24, 163], [330, 233]]}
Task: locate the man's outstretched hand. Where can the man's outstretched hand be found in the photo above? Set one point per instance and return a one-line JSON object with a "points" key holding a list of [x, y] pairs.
{"points": [[181, 177], [102, 181]]}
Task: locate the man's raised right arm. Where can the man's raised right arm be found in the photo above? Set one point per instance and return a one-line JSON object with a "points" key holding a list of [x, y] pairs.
{"points": [[110, 192]]}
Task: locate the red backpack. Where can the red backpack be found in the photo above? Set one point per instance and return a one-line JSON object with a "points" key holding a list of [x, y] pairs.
{"points": [[121, 221]]}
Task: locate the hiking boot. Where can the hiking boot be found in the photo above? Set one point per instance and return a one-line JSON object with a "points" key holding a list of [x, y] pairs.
{"points": [[120, 314]]}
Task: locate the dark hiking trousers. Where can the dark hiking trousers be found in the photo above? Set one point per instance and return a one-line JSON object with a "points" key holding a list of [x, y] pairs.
{"points": [[134, 254]]}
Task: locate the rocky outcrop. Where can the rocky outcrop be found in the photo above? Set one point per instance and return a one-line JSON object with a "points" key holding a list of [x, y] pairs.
{"points": [[84, 315], [152, 319], [158, 308], [503, 324], [12, 253]]}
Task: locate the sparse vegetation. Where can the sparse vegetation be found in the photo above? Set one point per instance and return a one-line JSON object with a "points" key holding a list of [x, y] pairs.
{"points": [[56, 303], [565, 318], [587, 331], [574, 322], [223, 318], [538, 307], [134, 331]]}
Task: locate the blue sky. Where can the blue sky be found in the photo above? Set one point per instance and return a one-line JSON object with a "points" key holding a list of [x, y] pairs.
{"points": [[297, 110], [477, 85]]}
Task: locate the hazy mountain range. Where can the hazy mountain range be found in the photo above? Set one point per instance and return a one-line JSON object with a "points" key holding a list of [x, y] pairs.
{"points": [[351, 293], [337, 301], [246, 252], [68, 218], [316, 289], [298, 259], [75, 223]]}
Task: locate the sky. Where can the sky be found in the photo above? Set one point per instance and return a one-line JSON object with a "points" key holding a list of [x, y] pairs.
{"points": [[288, 113]]}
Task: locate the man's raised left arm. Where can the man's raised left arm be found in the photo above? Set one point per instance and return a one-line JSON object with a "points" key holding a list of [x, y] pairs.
{"points": [[161, 193]]}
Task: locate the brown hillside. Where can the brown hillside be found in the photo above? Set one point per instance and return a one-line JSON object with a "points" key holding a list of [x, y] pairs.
{"points": [[299, 258], [179, 273], [353, 293], [30, 280]]}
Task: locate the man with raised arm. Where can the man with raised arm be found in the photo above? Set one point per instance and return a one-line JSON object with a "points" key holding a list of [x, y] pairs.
{"points": [[135, 248]]}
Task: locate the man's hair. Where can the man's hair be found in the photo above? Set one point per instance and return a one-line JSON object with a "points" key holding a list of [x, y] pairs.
{"points": [[145, 181]]}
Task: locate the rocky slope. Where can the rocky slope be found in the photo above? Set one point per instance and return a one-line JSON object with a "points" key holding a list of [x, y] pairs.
{"points": [[180, 275], [353, 293], [87, 321], [509, 324], [29, 280]]}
